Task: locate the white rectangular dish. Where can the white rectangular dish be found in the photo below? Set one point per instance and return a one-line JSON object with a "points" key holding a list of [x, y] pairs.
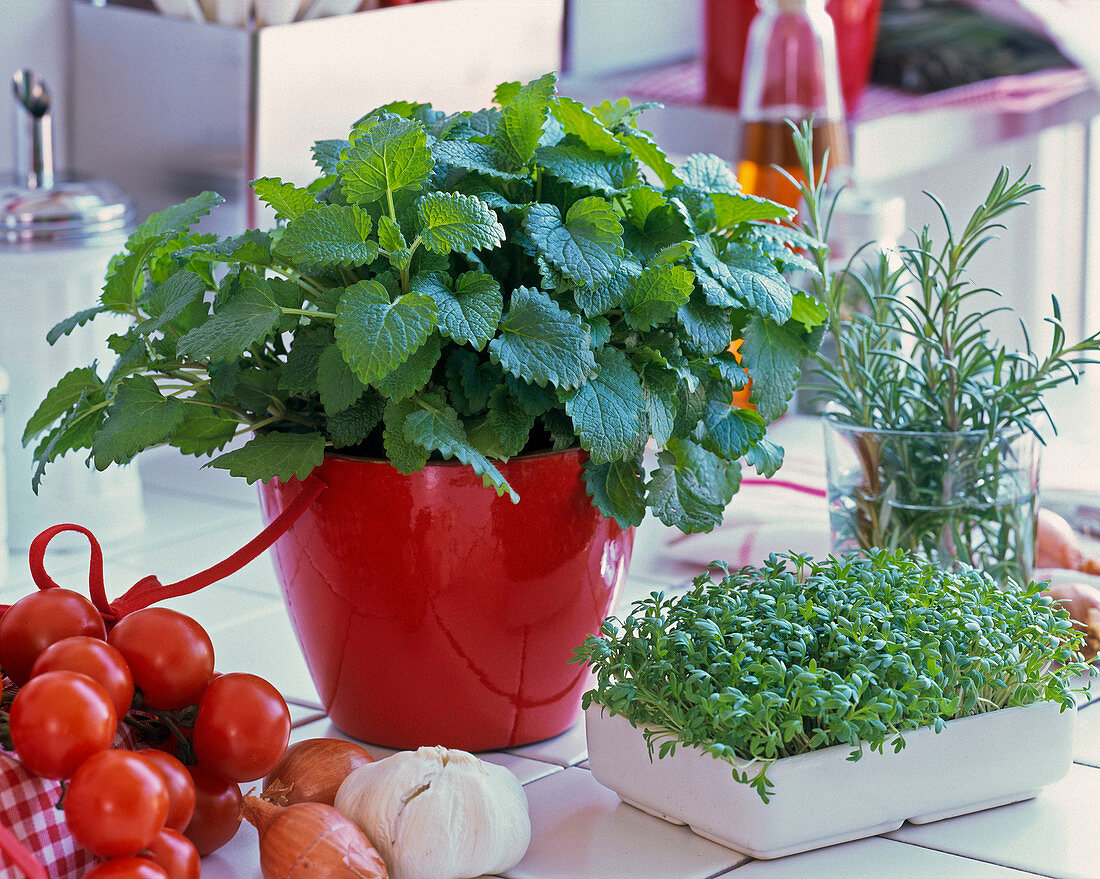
{"points": [[822, 798]]}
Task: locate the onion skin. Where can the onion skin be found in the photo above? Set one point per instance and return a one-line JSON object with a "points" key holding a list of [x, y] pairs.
{"points": [[311, 841], [312, 770]]}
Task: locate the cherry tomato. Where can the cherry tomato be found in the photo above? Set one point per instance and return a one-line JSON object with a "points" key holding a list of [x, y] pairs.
{"points": [[127, 868], [242, 727], [181, 789], [37, 620], [116, 803], [169, 654], [58, 720], [175, 853], [95, 658], [217, 811]]}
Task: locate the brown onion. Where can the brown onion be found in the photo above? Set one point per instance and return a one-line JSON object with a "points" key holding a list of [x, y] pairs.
{"points": [[311, 771], [311, 841]]}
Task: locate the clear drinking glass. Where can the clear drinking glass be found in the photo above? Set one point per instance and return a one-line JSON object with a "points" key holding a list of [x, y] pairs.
{"points": [[968, 497]]}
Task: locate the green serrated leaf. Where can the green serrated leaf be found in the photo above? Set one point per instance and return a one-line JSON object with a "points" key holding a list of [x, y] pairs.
{"points": [[509, 422], [251, 248], [540, 342], [405, 455], [586, 247], [470, 381], [617, 489], [578, 120], [645, 150], [523, 119], [730, 432], [377, 335], [773, 356], [710, 173], [287, 200], [77, 430], [664, 225], [385, 157], [389, 234], [807, 311], [329, 235], [708, 328], [412, 375], [479, 157], [730, 209], [337, 384], [61, 398], [352, 426], [126, 277], [506, 92], [300, 371], [690, 490], [657, 295], [582, 167], [66, 326], [752, 278], [175, 219], [276, 455], [452, 221], [436, 426], [250, 317], [204, 430], [766, 457], [608, 411], [609, 294], [672, 254], [560, 428], [139, 416], [326, 154], [469, 312], [659, 396], [171, 299]]}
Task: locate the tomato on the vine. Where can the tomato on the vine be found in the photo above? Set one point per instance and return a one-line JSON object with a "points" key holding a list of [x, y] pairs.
{"points": [[58, 720], [217, 811], [181, 788], [170, 655], [116, 803], [242, 727], [37, 620], [95, 658], [127, 868], [175, 854]]}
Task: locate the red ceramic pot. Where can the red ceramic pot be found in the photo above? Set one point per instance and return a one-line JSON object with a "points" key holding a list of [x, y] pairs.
{"points": [[433, 612]]}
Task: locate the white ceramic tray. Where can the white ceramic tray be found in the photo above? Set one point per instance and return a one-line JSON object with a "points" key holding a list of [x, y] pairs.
{"points": [[822, 798]]}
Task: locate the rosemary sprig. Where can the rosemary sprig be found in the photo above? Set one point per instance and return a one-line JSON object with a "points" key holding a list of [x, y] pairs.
{"points": [[914, 353]]}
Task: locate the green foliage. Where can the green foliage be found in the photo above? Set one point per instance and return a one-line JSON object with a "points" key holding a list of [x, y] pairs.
{"points": [[914, 354], [537, 275], [798, 655]]}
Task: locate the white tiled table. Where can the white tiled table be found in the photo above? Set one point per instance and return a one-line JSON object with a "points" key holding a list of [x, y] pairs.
{"points": [[580, 829]]}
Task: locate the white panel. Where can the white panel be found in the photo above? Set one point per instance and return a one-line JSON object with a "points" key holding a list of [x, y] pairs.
{"points": [[315, 79]]}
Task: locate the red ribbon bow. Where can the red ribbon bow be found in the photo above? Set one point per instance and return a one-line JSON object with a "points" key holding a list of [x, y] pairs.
{"points": [[149, 589]]}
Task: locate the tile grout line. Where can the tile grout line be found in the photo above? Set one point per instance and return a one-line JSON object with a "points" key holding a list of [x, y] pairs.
{"points": [[932, 848]]}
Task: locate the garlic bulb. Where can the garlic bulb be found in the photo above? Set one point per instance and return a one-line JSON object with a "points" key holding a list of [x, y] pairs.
{"points": [[435, 813]]}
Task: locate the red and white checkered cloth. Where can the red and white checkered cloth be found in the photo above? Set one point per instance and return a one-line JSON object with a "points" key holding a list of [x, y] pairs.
{"points": [[27, 809]]}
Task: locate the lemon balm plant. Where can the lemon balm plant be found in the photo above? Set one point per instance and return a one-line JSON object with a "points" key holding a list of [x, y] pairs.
{"points": [[480, 285]]}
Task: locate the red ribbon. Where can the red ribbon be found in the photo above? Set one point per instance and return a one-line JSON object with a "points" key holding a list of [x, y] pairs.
{"points": [[149, 589], [14, 852]]}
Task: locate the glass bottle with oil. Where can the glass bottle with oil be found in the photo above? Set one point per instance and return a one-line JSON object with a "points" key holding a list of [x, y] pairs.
{"points": [[790, 73]]}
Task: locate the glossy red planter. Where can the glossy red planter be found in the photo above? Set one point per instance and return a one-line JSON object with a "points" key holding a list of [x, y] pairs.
{"points": [[432, 612]]}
